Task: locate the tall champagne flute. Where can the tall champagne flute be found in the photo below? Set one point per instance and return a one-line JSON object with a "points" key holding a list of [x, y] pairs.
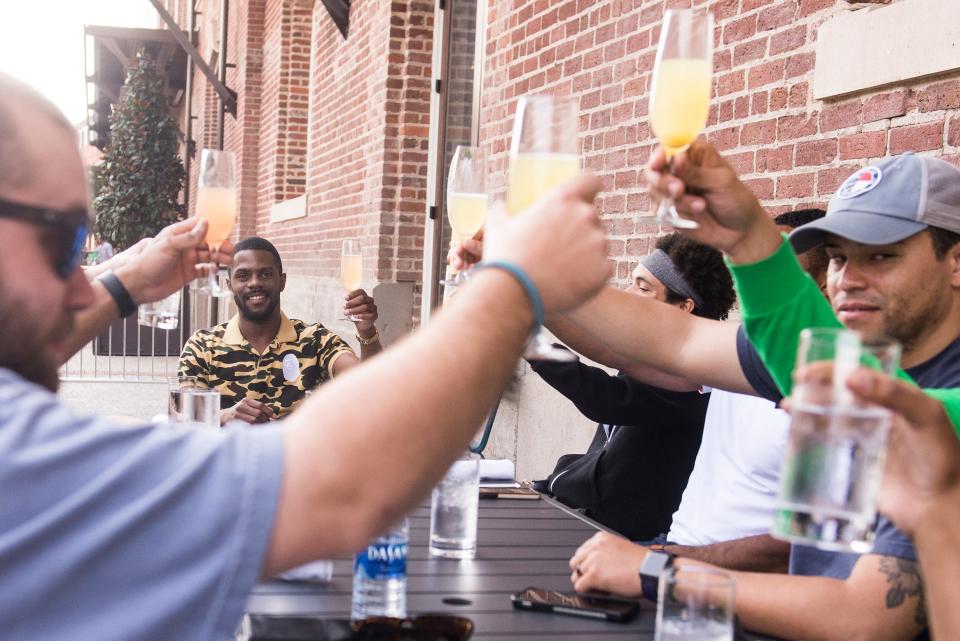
{"points": [[680, 95], [351, 268], [217, 204], [466, 197], [543, 155]]}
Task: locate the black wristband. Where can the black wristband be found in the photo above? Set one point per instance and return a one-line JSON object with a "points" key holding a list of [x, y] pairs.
{"points": [[119, 293]]}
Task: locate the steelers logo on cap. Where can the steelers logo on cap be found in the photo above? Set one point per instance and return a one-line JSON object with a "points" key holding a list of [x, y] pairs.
{"points": [[862, 181]]}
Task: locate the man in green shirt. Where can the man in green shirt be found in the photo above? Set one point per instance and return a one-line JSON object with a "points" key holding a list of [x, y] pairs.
{"points": [[894, 257], [892, 235]]}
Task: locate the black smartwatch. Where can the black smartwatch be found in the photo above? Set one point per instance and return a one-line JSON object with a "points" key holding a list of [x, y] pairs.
{"points": [[119, 293], [651, 568]]}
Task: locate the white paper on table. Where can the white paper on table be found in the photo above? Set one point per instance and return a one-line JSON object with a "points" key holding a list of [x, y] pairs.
{"points": [[497, 471], [315, 571]]}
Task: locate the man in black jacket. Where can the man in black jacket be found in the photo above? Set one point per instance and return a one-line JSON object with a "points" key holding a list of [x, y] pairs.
{"points": [[635, 470]]}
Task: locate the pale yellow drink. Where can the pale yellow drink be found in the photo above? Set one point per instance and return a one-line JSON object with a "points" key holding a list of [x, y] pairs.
{"points": [[466, 213], [351, 271], [681, 101], [218, 206], [534, 174]]}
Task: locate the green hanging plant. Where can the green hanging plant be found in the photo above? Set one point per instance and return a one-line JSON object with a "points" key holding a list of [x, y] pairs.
{"points": [[137, 185]]}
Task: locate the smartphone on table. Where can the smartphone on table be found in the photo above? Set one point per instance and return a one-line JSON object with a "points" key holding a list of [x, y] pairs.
{"points": [[592, 606]]}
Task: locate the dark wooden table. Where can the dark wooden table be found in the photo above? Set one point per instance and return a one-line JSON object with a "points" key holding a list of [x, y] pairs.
{"points": [[520, 543]]}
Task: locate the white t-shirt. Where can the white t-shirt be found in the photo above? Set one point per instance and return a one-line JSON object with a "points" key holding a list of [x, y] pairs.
{"points": [[736, 477]]}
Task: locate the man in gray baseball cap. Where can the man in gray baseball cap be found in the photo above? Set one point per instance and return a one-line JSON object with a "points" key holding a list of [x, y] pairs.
{"points": [[888, 202], [892, 234]]}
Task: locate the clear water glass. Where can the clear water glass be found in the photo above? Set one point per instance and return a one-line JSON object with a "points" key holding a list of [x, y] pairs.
{"points": [[162, 314], [454, 507], [201, 406], [695, 604], [836, 450], [174, 398]]}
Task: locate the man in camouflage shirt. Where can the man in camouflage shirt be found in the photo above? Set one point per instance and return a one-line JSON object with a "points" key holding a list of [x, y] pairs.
{"points": [[262, 362]]}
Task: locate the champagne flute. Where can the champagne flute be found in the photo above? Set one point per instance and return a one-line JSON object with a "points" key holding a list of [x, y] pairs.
{"points": [[543, 155], [466, 197], [217, 204], [351, 268], [680, 94]]}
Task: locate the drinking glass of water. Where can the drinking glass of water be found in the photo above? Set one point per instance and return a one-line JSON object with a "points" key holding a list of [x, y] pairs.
{"points": [[174, 400], [453, 510], [834, 461], [162, 314], [695, 604], [201, 406]]}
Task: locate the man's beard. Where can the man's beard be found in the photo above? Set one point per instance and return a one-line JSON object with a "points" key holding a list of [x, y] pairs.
{"points": [[22, 350], [256, 316]]}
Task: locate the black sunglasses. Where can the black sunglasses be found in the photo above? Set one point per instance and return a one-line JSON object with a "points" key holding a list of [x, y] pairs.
{"points": [[74, 225], [426, 627]]}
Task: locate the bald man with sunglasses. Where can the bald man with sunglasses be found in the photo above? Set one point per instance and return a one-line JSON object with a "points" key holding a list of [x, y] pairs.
{"points": [[143, 533]]}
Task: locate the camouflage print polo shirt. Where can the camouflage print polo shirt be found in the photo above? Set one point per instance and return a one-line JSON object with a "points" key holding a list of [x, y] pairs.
{"points": [[299, 358]]}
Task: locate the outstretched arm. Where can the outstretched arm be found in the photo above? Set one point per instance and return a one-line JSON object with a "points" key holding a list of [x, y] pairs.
{"points": [[663, 338], [159, 268], [601, 397], [646, 339], [583, 342]]}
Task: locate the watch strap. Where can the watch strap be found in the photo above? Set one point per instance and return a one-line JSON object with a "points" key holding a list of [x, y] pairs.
{"points": [[653, 565], [118, 292]]}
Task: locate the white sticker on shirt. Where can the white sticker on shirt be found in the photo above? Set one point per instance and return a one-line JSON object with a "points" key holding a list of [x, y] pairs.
{"points": [[291, 368]]}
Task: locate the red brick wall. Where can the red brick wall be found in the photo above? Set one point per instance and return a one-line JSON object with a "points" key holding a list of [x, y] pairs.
{"points": [[363, 161], [284, 101], [792, 150], [407, 132]]}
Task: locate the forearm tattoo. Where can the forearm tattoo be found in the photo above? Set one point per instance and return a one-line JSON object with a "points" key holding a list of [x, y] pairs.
{"points": [[904, 579]]}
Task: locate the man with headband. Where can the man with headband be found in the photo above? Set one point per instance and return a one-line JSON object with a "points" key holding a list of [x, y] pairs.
{"points": [[742, 446], [636, 468]]}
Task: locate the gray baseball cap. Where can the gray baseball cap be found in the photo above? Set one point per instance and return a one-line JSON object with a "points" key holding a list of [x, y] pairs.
{"points": [[888, 202]]}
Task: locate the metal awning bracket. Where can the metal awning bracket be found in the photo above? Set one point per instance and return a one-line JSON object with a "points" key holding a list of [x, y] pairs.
{"points": [[227, 95]]}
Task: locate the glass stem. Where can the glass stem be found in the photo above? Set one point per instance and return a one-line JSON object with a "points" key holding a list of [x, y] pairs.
{"points": [[214, 267]]}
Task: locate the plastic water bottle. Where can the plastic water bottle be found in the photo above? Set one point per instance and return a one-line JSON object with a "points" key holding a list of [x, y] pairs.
{"points": [[380, 576]]}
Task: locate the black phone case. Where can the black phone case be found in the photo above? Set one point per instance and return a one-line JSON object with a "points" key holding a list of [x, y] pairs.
{"points": [[606, 615]]}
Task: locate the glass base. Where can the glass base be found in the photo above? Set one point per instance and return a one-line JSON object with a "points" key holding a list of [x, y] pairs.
{"points": [[211, 281], [207, 290], [451, 550], [831, 530], [540, 349], [667, 214], [158, 320]]}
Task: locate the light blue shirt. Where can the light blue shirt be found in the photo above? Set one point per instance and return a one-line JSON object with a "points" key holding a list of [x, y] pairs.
{"points": [[127, 534]]}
